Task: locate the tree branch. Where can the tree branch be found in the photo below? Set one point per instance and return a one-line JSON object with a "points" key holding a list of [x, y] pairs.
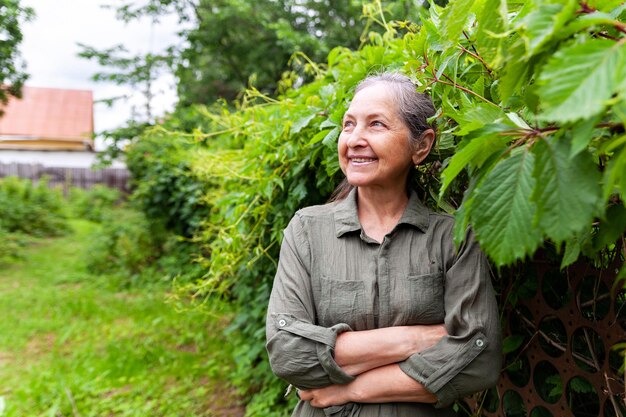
{"points": [[475, 54]]}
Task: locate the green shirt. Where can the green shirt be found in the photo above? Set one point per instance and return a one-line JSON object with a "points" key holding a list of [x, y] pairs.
{"points": [[333, 278]]}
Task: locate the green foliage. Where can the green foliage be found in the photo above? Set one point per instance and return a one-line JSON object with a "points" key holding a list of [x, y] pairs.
{"points": [[131, 251], [164, 185], [11, 247], [32, 209], [126, 243], [93, 204], [512, 343], [226, 49], [12, 73], [578, 80], [503, 195]]}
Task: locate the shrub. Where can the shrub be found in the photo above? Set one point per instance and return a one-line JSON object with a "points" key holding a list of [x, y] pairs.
{"points": [[11, 245], [131, 251], [125, 242], [31, 208], [92, 204]]}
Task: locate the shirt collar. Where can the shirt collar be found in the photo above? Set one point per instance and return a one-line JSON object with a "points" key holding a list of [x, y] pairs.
{"points": [[347, 219]]}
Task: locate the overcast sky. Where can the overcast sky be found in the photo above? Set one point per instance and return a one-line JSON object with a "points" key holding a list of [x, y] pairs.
{"points": [[50, 51]]}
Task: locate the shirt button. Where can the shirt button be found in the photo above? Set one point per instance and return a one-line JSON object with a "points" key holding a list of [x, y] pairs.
{"points": [[282, 323], [479, 342]]}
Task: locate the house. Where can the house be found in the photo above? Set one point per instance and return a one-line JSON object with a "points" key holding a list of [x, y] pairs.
{"points": [[49, 131], [48, 119]]}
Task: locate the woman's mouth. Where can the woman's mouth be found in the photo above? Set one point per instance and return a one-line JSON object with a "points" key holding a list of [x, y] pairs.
{"points": [[362, 160]]}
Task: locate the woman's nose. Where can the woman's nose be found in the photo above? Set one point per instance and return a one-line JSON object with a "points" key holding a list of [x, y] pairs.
{"points": [[356, 137]]}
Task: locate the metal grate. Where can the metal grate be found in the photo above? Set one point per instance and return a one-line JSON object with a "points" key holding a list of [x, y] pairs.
{"points": [[568, 326]]}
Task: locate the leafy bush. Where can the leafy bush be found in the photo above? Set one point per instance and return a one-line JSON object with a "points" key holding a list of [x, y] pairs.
{"points": [[92, 204], [11, 245], [126, 242], [30, 208], [130, 251]]}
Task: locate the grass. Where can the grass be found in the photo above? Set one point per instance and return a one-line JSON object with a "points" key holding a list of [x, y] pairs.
{"points": [[72, 344]]}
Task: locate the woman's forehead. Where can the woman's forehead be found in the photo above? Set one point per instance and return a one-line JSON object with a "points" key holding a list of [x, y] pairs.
{"points": [[377, 98]]}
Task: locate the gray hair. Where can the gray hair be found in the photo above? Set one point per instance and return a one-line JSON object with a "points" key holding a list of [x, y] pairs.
{"points": [[415, 108]]}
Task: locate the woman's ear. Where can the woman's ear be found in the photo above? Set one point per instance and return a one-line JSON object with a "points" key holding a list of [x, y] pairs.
{"points": [[425, 142]]}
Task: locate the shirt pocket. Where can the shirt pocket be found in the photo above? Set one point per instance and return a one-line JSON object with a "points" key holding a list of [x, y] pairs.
{"points": [[425, 300], [342, 302]]}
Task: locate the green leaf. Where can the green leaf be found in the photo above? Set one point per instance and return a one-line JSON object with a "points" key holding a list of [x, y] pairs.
{"points": [[502, 212], [418, 44], [319, 136], [611, 228], [461, 222], [572, 252], [331, 137], [328, 123], [615, 174], [542, 23], [557, 387], [491, 21], [604, 5], [620, 110], [454, 17], [515, 71], [475, 117], [517, 120], [618, 11], [431, 22], [581, 385], [512, 342], [474, 150], [582, 134], [578, 80], [568, 191], [301, 123], [586, 21]]}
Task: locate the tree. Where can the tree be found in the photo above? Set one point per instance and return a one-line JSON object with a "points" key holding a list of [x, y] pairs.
{"points": [[236, 43], [12, 68], [136, 71]]}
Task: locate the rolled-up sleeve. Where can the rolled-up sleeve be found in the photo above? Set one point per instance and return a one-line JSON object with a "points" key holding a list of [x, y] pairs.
{"points": [[300, 351], [469, 358]]}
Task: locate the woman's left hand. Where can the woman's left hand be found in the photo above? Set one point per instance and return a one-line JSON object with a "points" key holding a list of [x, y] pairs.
{"points": [[327, 396]]}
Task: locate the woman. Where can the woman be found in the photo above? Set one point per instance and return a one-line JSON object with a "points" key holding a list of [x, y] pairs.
{"points": [[374, 312]]}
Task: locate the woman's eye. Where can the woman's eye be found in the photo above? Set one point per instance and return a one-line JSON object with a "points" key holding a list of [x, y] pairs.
{"points": [[348, 124], [378, 123]]}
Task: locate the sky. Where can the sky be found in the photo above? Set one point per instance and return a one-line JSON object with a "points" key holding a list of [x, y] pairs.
{"points": [[50, 50]]}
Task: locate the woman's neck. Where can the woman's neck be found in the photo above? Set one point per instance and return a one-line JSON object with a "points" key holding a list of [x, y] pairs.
{"points": [[380, 210]]}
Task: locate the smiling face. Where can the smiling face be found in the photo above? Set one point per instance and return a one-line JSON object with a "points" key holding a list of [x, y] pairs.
{"points": [[374, 147]]}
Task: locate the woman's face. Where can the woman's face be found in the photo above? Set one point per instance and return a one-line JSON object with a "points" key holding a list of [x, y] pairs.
{"points": [[374, 149]]}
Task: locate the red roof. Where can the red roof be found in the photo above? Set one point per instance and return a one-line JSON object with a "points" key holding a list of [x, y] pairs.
{"points": [[49, 114]]}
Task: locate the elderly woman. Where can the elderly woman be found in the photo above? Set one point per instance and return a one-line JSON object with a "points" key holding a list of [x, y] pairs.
{"points": [[374, 311]]}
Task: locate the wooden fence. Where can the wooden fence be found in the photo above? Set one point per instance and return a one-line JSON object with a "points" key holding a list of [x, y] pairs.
{"points": [[69, 177]]}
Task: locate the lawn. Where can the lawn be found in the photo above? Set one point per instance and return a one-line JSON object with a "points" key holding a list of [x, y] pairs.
{"points": [[74, 344]]}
